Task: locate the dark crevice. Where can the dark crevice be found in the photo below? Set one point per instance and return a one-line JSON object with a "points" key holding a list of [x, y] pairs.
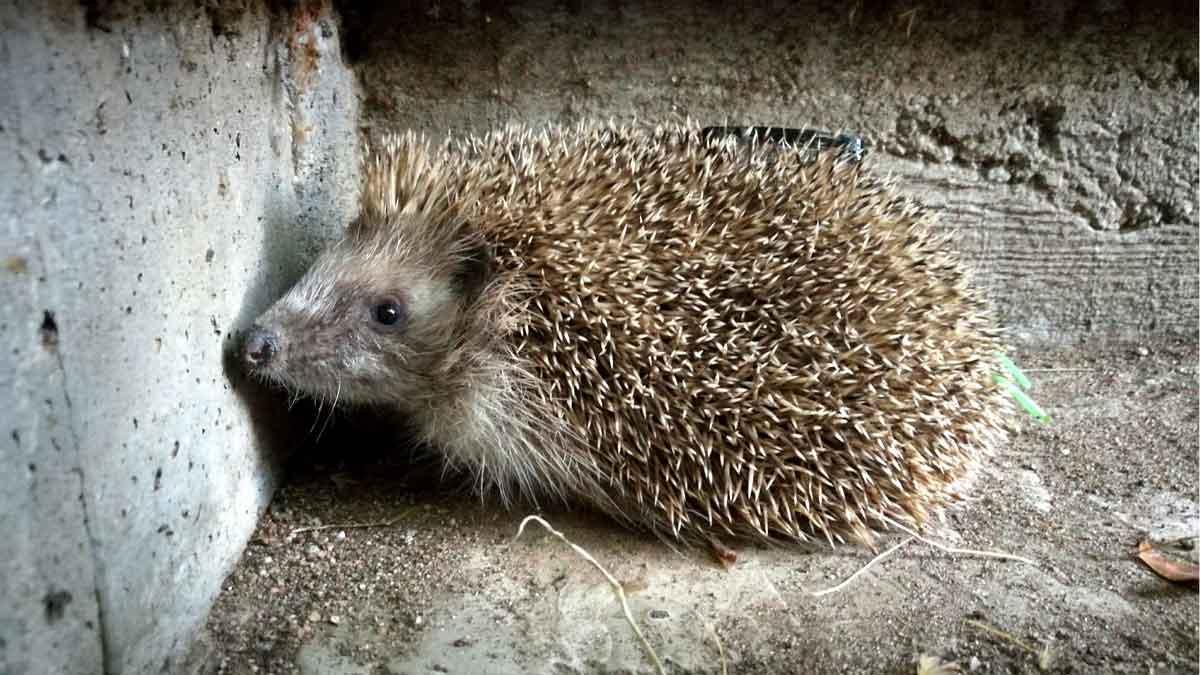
{"points": [[49, 331], [97, 14], [55, 603], [94, 550], [367, 27], [223, 17], [1048, 119]]}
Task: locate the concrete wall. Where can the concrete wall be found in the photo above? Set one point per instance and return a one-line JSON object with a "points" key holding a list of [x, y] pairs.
{"points": [[164, 172], [167, 168]]}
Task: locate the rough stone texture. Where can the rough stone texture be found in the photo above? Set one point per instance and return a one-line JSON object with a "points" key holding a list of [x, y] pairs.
{"points": [[165, 170], [1060, 138]]}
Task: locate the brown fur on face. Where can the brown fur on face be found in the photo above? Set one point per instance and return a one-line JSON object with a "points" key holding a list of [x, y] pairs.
{"points": [[409, 248], [697, 337]]}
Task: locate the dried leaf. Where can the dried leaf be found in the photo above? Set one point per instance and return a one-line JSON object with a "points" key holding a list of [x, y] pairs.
{"points": [[1171, 570]]}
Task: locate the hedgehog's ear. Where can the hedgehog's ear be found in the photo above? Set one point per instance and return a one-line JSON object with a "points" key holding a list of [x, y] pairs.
{"points": [[473, 271]]}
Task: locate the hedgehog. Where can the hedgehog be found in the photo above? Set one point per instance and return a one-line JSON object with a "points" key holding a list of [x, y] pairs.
{"points": [[705, 337]]}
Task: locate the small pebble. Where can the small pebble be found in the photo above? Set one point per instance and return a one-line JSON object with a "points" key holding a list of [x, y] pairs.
{"points": [[341, 535], [998, 174], [314, 617], [335, 619], [418, 620], [1142, 351]]}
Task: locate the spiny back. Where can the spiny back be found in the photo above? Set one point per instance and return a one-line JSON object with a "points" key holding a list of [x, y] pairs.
{"points": [[745, 339]]}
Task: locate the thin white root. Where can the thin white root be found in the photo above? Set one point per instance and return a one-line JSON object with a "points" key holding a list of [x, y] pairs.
{"points": [[658, 667], [864, 568], [964, 551], [911, 536], [720, 649]]}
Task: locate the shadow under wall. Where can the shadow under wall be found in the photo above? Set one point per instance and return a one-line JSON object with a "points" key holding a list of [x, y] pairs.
{"points": [[371, 29]]}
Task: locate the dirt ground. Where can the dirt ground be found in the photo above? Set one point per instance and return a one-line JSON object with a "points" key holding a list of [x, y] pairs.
{"points": [[367, 563]]}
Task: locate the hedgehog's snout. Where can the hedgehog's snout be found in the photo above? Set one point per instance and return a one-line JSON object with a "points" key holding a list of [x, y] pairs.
{"points": [[260, 348]]}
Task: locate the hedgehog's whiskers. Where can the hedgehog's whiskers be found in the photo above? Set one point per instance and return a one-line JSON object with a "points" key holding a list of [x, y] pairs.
{"points": [[332, 411], [320, 400]]}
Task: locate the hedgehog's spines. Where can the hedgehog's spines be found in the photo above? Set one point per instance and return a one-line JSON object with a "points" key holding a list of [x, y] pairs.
{"points": [[705, 337]]}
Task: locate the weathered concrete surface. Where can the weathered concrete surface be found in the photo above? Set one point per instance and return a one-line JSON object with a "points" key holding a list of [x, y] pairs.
{"points": [[164, 172], [1059, 138]]}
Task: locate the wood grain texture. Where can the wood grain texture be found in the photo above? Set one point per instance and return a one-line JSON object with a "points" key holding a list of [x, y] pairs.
{"points": [[1050, 276]]}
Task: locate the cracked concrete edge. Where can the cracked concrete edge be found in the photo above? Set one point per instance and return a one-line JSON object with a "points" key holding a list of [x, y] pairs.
{"points": [[50, 617], [157, 196]]}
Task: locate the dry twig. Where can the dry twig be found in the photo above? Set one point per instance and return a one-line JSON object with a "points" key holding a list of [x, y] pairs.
{"points": [[658, 667]]}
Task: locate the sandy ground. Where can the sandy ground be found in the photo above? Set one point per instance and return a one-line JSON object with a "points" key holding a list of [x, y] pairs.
{"points": [[407, 574]]}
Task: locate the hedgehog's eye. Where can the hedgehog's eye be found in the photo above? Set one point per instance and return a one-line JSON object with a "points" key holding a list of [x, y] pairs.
{"points": [[388, 313]]}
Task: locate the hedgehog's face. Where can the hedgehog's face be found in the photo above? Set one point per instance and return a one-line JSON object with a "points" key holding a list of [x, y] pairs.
{"points": [[368, 323]]}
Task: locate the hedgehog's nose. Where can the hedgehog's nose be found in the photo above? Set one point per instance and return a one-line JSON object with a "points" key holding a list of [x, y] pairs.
{"points": [[260, 347]]}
